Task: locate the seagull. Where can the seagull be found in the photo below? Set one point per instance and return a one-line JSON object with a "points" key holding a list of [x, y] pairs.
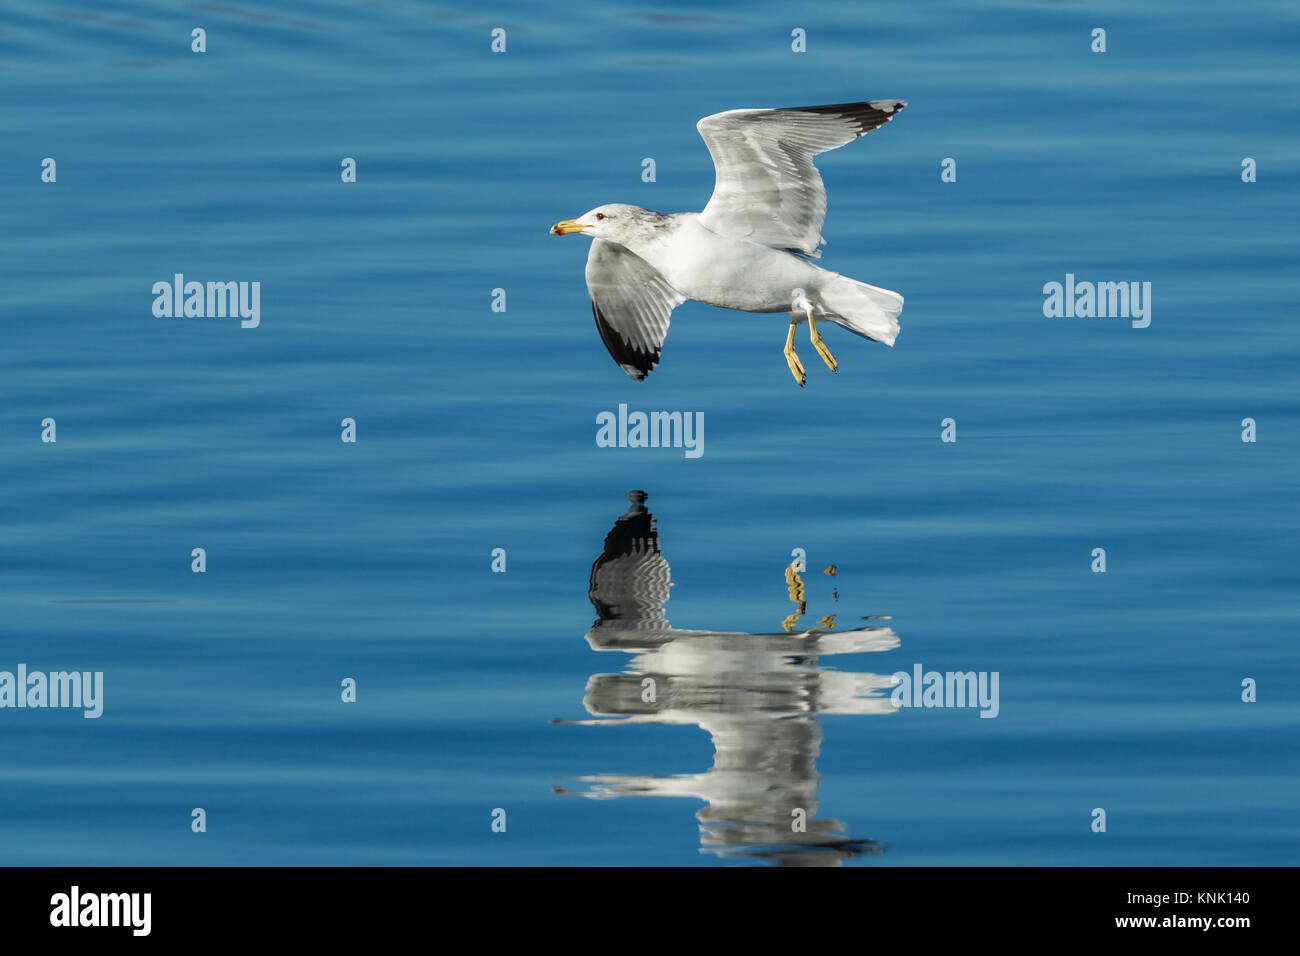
{"points": [[749, 249]]}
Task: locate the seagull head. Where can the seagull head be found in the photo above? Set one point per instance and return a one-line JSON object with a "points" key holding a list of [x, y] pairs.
{"points": [[611, 221]]}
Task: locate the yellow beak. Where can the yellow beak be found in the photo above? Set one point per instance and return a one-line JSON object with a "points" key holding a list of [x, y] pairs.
{"points": [[566, 227]]}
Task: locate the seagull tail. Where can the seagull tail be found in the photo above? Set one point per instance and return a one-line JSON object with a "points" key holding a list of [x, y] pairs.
{"points": [[869, 311]]}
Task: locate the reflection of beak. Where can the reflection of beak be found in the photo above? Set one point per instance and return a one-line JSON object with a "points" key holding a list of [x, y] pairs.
{"points": [[566, 227]]}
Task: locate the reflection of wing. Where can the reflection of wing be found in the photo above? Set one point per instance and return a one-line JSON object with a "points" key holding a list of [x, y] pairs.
{"points": [[632, 303], [772, 676], [610, 635], [762, 770], [767, 188], [630, 579]]}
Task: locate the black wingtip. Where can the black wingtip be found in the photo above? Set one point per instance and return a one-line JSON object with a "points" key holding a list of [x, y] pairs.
{"points": [[636, 362], [868, 115]]}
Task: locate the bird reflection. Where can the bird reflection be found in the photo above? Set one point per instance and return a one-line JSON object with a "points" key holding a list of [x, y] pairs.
{"points": [[756, 695]]}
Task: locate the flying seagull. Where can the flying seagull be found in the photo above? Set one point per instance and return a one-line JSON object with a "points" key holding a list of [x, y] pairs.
{"points": [[748, 250]]}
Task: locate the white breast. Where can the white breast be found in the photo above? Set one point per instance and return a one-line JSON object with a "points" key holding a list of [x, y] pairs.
{"points": [[725, 272]]}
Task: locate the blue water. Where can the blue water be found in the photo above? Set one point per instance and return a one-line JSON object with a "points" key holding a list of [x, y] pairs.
{"points": [[480, 691]]}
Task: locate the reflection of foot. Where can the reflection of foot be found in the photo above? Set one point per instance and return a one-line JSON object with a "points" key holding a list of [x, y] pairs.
{"points": [[797, 594], [820, 345], [792, 360]]}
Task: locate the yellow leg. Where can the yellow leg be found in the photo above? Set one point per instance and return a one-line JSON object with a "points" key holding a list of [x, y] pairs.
{"points": [[820, 345], [797, 594], [792, 360]]}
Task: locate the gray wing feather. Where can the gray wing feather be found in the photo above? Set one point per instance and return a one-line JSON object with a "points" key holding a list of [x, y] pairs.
{"points": [[632, 303], [767, 188]]}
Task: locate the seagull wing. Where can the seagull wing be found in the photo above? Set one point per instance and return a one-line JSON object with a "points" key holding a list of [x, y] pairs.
{"points": [[767, 189], [632, 303]]}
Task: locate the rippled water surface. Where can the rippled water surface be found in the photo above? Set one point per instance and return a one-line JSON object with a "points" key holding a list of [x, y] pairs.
{"points": [[684, 730]]}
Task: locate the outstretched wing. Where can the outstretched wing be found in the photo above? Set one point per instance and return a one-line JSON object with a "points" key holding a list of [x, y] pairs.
{"points": [[768, 189], [632, 303]]}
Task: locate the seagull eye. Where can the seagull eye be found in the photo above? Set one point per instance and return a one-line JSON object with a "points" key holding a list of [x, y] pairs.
{"points": [[600, 215]]}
